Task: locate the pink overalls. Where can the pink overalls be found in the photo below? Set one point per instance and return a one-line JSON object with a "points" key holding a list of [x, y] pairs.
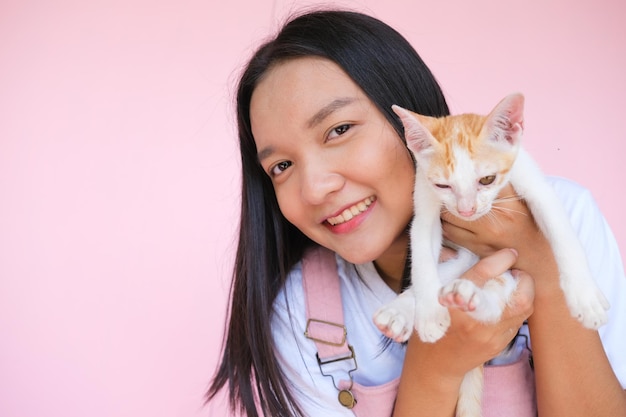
{"points": [[509, 390]]}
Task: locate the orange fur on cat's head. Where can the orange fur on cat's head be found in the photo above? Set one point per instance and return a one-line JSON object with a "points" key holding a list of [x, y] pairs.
{"points": [[466, 157]]}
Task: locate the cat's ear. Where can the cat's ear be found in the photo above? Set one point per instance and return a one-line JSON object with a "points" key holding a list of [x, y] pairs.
{"points": [[505, 123], [418, 137]]}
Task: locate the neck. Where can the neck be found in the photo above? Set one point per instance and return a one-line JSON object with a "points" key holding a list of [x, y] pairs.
{"points": [[390, 265]]}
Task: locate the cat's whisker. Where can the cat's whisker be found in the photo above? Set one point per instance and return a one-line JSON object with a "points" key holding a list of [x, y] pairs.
{"points": [[491, 217], [507, 199], [508, 210]]}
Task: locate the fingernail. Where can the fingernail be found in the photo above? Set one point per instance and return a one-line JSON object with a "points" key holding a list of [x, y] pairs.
{"points": [[514, 251]]}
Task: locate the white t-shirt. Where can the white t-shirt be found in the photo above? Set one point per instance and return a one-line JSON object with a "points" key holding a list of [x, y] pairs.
{"points": [[363, 292]]}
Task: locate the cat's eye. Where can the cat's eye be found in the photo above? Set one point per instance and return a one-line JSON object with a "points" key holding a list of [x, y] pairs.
{"points": [[489, 179], [442, 186], [279, 167]]}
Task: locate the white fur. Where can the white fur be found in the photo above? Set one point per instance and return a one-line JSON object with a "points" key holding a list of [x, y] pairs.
{"points": [[423, 305], [584, 299]]}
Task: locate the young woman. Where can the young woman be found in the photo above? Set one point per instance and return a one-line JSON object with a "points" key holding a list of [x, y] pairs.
{"points": [[324, 163]]}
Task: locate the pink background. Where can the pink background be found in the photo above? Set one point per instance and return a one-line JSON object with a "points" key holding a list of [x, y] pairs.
{"points": [[119, 171]]}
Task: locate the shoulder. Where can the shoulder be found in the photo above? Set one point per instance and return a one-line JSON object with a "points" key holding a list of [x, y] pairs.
{"points": [[361, 288], [582, 210], [586, 218], [570, 192], [361, 293]]}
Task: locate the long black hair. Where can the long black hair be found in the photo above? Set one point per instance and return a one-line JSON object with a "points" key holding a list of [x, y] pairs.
{"points": [[389, 71]]}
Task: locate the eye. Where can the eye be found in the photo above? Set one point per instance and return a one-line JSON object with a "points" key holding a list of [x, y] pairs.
{"points": [[442, 186], [279, 167], [339, 130], [489, 179]]}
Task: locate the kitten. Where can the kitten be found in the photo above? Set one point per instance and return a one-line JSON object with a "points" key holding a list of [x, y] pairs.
{"points": [[462, 163]]}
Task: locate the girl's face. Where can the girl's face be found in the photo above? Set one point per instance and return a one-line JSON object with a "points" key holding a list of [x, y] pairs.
{"points": [[340, 172]]}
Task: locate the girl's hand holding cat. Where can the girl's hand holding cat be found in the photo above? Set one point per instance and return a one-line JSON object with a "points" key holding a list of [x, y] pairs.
{"points": [[470, 343], [509, 225], [433, 371]]}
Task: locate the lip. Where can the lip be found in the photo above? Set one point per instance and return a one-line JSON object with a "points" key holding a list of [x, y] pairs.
{"points": [[351, 224]]}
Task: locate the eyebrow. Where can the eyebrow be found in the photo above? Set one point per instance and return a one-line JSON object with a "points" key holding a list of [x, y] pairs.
{"points": [[317, 118], [328, 110], [265, 153]]}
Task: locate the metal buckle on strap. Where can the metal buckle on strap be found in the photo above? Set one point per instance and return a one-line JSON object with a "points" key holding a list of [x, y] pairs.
{"points": [[335, 339], [321, 362], [341, 327], [345, 396]]}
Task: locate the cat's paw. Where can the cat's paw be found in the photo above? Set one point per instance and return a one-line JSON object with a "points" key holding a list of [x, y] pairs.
{"points": [[395, 319], [432, 323], [460, 293], [588, 306], [484, 304]]}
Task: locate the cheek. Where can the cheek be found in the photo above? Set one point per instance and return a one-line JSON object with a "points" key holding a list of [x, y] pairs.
{"points": [[402, 179], [288, 203], [486, 198], [401, 165], [448, 200]]}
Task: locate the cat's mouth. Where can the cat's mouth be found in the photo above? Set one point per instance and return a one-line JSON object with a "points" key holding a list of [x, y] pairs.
{"points": [[470, 216], [351, 211]]}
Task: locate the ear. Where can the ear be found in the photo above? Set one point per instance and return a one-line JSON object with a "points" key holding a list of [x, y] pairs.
{"points": [[505, 123], [418, 137]]}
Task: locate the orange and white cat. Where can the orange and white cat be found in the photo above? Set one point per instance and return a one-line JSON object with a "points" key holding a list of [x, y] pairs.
{"points": [[462, 163]]}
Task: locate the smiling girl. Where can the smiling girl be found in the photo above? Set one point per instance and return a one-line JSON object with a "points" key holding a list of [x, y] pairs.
{"points": [[325, 166]]}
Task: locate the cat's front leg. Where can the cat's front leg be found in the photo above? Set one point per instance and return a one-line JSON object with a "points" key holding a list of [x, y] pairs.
{"points": [[431, 318], [396, 319], [585, 301]]}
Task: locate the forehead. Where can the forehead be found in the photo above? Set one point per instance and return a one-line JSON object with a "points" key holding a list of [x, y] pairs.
{"points": [[294, 90]]}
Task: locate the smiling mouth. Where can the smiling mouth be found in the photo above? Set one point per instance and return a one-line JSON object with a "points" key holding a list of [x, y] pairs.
{"points": [[350, 212]]}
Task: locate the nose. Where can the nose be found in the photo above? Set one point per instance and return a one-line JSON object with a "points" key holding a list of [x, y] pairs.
{"points": [[467, 213], [318, 183], [466, 206]]}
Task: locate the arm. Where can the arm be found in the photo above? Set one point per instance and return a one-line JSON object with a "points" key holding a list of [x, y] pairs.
{"points": [[573, 374], [433, 372]]}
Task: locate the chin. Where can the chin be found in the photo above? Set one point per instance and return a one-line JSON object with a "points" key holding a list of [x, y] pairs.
{"points": [[355, 256]]}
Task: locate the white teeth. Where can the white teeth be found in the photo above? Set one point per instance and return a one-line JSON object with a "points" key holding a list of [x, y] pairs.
{"points": [[347, 215], [350, 212]]}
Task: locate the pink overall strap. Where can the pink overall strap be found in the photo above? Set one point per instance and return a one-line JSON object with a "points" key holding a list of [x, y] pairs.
{"points": [[509, 390], [325, 326], [323, 303]]}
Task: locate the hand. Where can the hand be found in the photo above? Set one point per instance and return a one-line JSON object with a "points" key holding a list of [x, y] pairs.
{"points": [[433, 372], [509, 225], [469, 343]]}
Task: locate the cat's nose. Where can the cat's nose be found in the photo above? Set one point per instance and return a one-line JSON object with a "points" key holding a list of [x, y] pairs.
{"points": [[467, 213], [466, 204]]}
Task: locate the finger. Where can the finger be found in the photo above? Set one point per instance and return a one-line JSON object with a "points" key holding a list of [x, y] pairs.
{"points": [[451, 222], [454, 232], [491, 266]]}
